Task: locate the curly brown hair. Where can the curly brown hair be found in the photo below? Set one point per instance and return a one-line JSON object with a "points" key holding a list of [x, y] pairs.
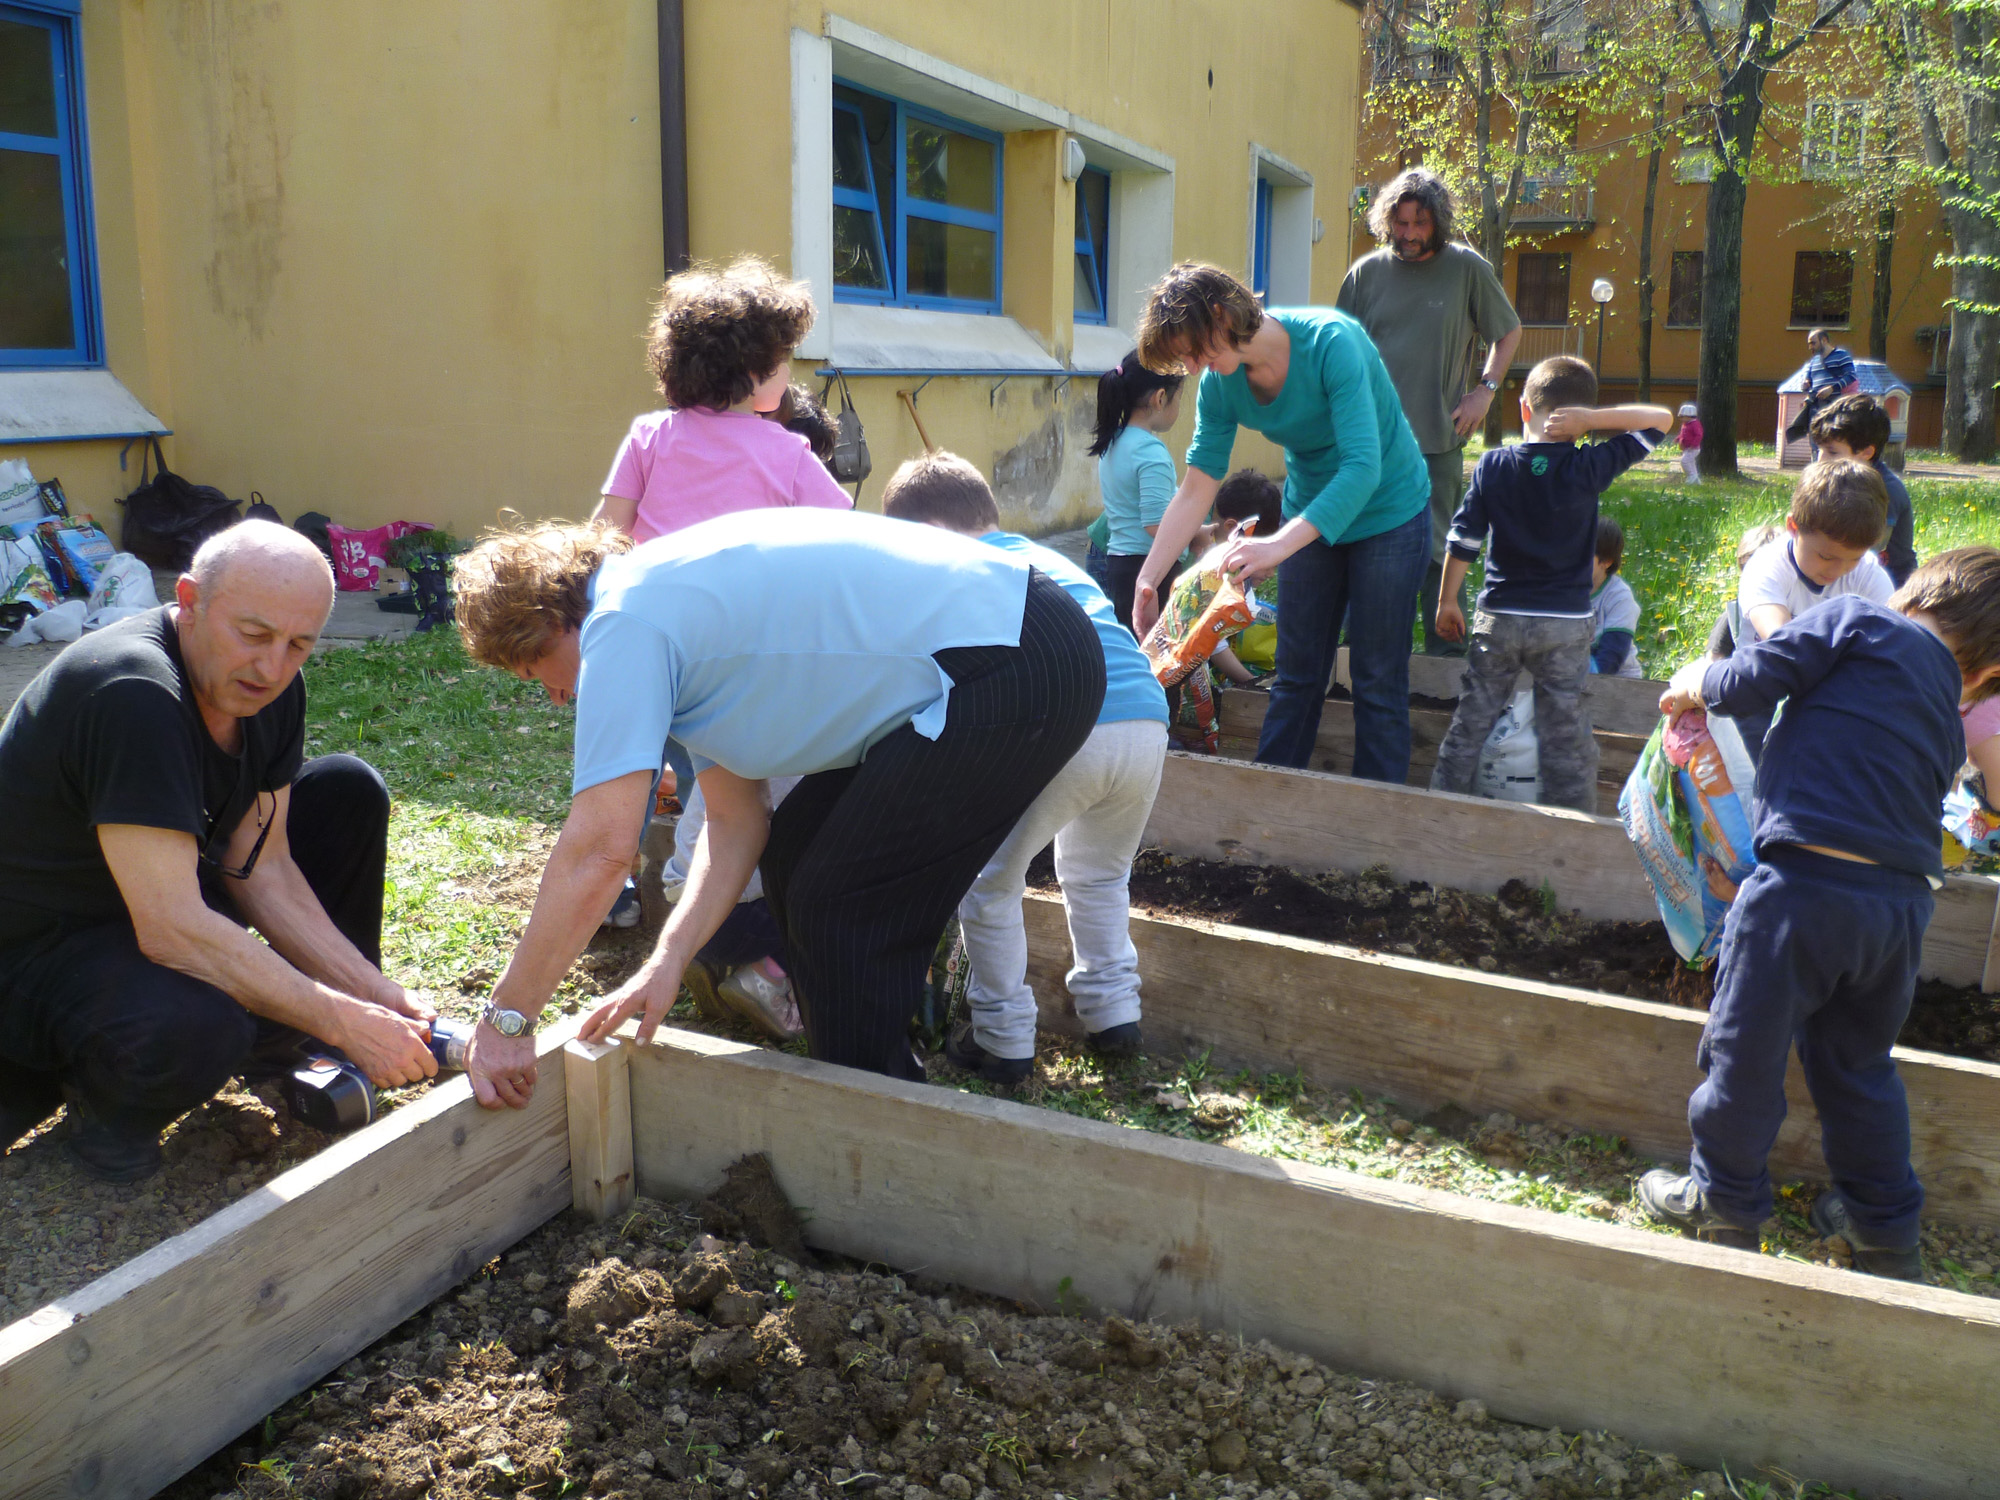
{"points": [[518, 590], [1960, 590], [716, 333], [1185, 310]]}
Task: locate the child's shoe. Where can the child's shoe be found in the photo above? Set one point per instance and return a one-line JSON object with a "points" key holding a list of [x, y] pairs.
{"points": [[1117, 1043], [1675, 1198], [625, 910], [766, 1003], [962, 1052], [1830, 1221]]}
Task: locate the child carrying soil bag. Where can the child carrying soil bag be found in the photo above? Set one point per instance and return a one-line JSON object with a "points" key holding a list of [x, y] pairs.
{"points": [[1686, 808], [1205, 611]]}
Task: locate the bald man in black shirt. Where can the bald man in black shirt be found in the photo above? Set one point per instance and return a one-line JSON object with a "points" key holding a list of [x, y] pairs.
{"points": [[157, 803]]}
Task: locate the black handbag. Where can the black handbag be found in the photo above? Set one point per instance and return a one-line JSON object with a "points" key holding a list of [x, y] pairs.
{"points": [[168, 517], [1802, 423], [851, 463]]}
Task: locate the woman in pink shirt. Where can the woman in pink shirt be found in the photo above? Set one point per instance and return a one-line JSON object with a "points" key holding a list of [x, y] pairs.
{"points": [[721, 347]]}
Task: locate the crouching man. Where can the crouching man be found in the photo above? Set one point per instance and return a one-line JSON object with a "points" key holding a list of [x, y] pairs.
{"points": [[154, 802]]}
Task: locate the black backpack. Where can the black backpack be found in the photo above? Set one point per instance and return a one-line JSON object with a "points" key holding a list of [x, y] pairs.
{"points": [[167, 517]]}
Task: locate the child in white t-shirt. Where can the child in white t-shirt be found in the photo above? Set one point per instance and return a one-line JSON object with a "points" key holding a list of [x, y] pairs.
{"points": [[1839, 513], [1614, 608]]}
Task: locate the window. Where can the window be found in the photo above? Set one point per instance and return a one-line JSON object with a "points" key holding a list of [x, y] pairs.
{"points": [[916, 205], [1260, 242], [1684, 291], [1093, 246], [1836, 137], [48, 290], [1541, 288], [1822, 287], [1693, 164]]}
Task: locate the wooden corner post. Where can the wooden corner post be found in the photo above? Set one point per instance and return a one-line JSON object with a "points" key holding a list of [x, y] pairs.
{"points": [[599, 1086]]}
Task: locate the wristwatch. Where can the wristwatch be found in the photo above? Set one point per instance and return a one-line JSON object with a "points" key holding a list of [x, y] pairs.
{"points": [[506, 1022], [1491, 385]]}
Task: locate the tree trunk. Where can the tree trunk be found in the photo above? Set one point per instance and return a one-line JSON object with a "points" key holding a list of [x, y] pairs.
{"points": [[1721, 319], [1878, 308], [1645, 395], [1972, 366]]}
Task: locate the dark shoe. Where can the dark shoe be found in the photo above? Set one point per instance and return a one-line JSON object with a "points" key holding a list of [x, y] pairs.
{"points": [[699, 981], [625, 910], [108, 1151], [962, 1052], [1831, 1222], [32, 1098], [1674, 1198], [1118, 1043]]}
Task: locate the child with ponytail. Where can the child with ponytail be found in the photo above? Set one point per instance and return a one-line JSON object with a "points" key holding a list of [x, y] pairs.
{"points": [[1135, 471]]}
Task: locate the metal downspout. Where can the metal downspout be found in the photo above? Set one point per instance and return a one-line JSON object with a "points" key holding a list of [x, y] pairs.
{"points": [[673, 136]]}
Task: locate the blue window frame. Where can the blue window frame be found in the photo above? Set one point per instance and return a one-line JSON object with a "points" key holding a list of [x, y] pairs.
{"points": [[1093, 246], [916, 205], [48, 282], [1260, 245]]}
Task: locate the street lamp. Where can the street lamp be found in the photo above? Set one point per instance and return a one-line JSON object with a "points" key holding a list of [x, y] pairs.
{"points": [[1600, 293]]}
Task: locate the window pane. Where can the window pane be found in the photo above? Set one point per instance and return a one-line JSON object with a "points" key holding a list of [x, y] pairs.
{"points": [[950, 260], [947, 167], [1093, 209], [877, 132], [1541, 289], [27, 80], [857, 261], [850, 152], [1684, 293], [1087, 305], [34, 254]]}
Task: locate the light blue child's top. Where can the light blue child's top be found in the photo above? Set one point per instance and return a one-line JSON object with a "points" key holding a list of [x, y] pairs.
{"points": [[1136, 475], [781, 642], [1131, 691], [1352, 468]]}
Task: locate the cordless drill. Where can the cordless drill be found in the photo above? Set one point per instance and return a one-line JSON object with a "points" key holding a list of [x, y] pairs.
{"points": [[328, 1092]]}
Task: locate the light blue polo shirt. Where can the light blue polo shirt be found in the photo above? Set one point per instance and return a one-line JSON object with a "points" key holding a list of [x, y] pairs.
{"points": [[1131, 691], [781, 642]]}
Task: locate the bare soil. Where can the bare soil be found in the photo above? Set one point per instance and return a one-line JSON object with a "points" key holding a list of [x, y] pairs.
{"points": [[1519, 932], [645, 1360]]}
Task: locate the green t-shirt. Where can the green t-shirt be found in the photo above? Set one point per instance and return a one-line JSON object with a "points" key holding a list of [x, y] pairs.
{"points": [[1352, 468], [1426, 318]]}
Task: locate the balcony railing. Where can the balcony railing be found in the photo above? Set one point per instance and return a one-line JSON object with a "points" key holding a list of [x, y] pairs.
{"points": [[1554, 206], [1540, 341]]}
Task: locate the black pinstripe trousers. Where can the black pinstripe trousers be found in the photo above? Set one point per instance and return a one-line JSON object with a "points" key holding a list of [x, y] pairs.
{"points": [[865, 865]]}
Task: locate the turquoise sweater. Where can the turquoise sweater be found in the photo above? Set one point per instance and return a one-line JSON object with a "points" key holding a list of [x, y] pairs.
{"points": [[1352, 467]]}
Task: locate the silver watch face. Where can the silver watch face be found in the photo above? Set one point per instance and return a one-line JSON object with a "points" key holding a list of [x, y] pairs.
{"points": [[506, 1022]]}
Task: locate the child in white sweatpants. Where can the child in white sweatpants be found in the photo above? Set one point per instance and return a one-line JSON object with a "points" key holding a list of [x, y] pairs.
{"points": [[1095, 810]]}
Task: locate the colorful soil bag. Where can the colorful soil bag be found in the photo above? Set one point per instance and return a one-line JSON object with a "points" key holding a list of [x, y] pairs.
{"points": [[1686, 808], [1971, 826]]}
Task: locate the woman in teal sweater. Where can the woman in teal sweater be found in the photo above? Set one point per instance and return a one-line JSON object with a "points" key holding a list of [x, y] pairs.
{"points": [[1356, 536]]}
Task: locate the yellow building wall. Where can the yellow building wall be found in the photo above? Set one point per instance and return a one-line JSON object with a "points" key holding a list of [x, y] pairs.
{"points": [[394, 258]]}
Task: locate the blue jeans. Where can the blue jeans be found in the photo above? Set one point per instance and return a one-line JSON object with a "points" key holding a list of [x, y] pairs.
{"points": [[1373, 584], [1821, 954]]}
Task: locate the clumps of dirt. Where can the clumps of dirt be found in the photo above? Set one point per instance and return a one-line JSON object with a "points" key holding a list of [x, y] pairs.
{"points": [[628, 1363], [61, 1228], [750, 1206], [1519, 932]]}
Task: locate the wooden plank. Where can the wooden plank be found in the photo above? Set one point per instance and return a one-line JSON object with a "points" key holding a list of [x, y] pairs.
{"points": [[1428, 1035], [1711, 1354], [1312, 822], [1242, 720], [124, 1385], [600, 1127], [1626, 705]]}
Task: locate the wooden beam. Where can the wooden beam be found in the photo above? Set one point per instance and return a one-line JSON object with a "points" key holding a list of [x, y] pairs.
{"points": [[1625, 705], [600, 1127], [1308, 821], [1242, 720], [119, 1388], [1712, 1354], [1427, 1035]]}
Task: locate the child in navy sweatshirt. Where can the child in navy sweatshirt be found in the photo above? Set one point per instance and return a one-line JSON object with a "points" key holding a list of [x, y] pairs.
{"points": [[1822, 941], [1539, 500]]}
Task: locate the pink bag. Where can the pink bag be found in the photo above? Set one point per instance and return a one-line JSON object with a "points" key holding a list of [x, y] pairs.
{"points": [[360, 556]]}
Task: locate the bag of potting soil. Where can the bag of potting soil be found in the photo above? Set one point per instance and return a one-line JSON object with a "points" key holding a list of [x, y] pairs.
{"points": [[1510, 764], [1205, 610], [87, 550], [1686, 808], [1971, 825], [24, 579]]}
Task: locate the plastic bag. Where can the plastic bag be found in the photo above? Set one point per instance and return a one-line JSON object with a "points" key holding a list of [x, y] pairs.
{"points": [[1686, 808], [1971, 826], [123, 583], [360, 556], [63, 623], [20, 496], [1510, 764], [24, 579], [1203, 612]]}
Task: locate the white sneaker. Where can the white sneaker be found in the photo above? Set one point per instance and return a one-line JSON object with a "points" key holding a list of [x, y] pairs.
{"points": [[766, 1003]]}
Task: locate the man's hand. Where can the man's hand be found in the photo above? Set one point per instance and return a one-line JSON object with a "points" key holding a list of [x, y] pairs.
{"points": [[391, 1049], [502, 1068], [650, 991], [1471, 410], [1450, 620], [1145, 608], [1683, 694], [405, 1002]]}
